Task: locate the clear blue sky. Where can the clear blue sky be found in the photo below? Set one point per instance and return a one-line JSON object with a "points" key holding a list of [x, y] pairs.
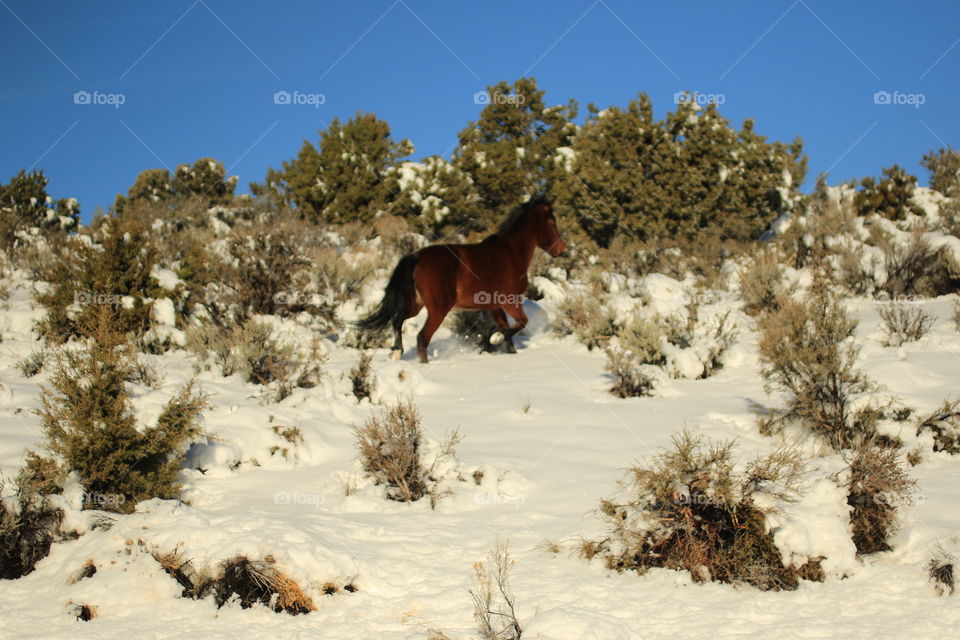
{"points": [[198, 77]]}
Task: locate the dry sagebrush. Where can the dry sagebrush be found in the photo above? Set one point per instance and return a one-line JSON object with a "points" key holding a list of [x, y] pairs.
{"points": [[690, 509], [390, 444], [807, 352]]}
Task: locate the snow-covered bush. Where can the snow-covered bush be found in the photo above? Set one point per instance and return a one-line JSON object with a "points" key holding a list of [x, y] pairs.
{"points": [[691, 509], [903, 323], [807, 352], [877, 485], [110, 269], [254, 351], [944, 425], [390, 446], [941, 571], [90, 427], [918, 269], [587, 318]]}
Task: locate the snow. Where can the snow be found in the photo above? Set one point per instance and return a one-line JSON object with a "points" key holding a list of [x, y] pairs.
{"points": [[543, 443]]}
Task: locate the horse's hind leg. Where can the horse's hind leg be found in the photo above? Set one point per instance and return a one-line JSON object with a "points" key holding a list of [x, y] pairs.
{"points": [[435, 316], [397, 350]]}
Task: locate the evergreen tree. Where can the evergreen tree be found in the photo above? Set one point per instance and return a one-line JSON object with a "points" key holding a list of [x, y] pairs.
{"points": [[677, 177], [24, 204], [436, 195], [206, 180], [510, 152], [944, 168], [345, 179], [891, 196]]}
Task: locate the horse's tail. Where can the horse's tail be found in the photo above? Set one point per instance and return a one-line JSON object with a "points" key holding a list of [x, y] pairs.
{"points": [[396, 297]]}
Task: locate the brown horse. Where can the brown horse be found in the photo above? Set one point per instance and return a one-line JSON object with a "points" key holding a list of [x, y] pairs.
{"points": [[491, 275]]}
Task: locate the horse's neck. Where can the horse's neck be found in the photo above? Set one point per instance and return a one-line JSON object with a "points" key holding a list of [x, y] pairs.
{"points": [[521, 243]]}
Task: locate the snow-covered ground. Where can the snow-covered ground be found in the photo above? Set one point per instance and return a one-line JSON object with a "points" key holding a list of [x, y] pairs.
{"points": [[550, 443]]}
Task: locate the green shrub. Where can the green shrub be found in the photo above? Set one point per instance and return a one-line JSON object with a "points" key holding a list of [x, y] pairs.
{"points": [[29, 524], [90, 428]]}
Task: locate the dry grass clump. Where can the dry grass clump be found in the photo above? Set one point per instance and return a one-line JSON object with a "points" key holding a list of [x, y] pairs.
{"points": [[362, 379], [763, 284], [630, 380], [253, 581], [494, 603], [807, 351], [32, 364], [253, 351], [390, 446], [878, 484], [917, 269], [944, 424], [29, 524], [904, 323], [941, 571], [691, 510], [586, 317], [238, 579]]}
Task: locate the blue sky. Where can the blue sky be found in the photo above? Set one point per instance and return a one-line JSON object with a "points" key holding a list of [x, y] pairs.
{"points": [[198, 77]]}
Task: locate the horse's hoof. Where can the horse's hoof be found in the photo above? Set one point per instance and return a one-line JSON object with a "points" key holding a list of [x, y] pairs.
{"points": [[395, 354], [511, 348], [496, 338]]}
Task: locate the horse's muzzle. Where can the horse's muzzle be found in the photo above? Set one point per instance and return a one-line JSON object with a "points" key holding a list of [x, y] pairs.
{"points": [[558, 250]]}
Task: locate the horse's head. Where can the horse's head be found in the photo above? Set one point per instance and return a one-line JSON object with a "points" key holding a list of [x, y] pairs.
{"points": [[548, 235]]}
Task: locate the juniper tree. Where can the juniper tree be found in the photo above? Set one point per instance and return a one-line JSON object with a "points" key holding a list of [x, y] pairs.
{"points": [[944, 168], [677, 177], [206, 181], [436, 195], [24, 204], [510, 152], [346, 178], [891, 196]]}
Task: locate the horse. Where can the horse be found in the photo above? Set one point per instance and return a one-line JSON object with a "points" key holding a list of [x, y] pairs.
{"points": [[490, 274]]}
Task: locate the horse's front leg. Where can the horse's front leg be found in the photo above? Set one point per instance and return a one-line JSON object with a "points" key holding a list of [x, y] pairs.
{"points": [[500, 317], [520, 321]]}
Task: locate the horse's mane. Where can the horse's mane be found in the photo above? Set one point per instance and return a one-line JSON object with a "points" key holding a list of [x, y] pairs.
{"points": [[518, 213]]}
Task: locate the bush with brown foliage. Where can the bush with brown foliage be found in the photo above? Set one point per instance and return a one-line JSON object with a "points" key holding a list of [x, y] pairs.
{"points": [[630, 380], [877, 485], [390, 444], [942, 572], [29, 524], [904, 323], [917, 269], [494, 603], [362, 379], [807, 352], [763, 283], [690, 509], [585, 317]]}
